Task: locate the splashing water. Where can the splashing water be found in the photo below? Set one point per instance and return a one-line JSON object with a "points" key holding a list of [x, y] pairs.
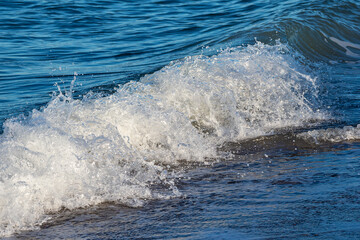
{"points": [[76, 153]]}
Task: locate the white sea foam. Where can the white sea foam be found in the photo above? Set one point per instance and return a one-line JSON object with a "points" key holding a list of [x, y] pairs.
{"points": [[347, 133], [75, 153], [345, 45]]}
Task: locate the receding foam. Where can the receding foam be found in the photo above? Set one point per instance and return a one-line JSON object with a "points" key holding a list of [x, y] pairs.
{"points": [[347, 133]]}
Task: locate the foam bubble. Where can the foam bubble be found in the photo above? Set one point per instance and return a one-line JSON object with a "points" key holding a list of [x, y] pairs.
{"points": [[75, 153], [347, 133]]}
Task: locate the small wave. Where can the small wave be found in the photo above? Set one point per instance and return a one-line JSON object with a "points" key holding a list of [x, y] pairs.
{"points": [[319, 43], [76, 153], [329, 34]]}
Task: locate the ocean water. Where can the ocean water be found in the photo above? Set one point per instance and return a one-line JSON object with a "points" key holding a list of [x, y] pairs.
{"points": [[180, 119]]}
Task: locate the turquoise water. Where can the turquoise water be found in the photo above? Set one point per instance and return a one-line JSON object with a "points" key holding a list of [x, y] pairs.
{"points": [[180, 120]]}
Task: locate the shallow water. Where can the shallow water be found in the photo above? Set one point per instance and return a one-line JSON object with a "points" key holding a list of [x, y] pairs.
{"points": [[169, 119]]}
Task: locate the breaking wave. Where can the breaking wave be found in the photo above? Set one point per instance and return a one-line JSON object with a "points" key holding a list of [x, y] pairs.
{"points": [[76, 153]]}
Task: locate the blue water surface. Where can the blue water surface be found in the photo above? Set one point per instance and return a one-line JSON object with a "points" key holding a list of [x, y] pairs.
{"points": [[302, 191]]}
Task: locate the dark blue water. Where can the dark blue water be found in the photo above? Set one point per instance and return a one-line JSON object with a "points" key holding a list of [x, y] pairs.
{"points": [[180, 120]]}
